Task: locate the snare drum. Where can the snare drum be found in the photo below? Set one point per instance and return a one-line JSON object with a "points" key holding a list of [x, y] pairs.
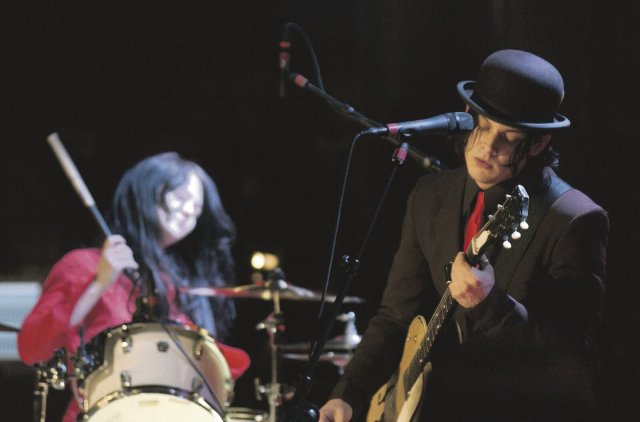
{"points": [[154, 372]]}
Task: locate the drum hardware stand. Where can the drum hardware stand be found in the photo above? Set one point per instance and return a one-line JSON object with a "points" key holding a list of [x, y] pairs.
{"points": [[147, 309], [51, 373], [84, 356], [83, 363], [273, 325], [350, 337], [303, 410]]}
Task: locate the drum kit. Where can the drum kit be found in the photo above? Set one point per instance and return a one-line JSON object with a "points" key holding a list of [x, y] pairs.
{"points": [[155, 372]]}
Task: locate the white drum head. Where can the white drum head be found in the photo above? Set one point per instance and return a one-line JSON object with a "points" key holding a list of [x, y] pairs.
{"points": [[152, 407]]}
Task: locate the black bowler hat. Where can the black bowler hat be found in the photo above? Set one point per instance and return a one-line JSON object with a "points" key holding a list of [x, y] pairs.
{"points": [[517, 89]]}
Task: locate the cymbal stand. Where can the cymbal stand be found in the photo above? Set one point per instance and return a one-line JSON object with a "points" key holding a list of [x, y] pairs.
{"points": [[350, 338], [51, 373], [273, 325]]}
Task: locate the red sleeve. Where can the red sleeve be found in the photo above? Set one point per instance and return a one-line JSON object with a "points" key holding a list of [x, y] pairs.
{"points": [[237, 359], [46, 328]]}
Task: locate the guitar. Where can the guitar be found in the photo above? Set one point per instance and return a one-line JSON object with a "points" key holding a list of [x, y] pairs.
{"points": [[399, 398]]}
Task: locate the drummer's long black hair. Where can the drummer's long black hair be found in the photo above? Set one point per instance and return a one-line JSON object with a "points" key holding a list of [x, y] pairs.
{"points": [[203, 258]]}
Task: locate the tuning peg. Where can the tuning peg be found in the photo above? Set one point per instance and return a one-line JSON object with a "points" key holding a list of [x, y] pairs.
{"points": [[499, 206], [524, 225], [507, 196], [516, 235], [490, 216], [506, 244]]}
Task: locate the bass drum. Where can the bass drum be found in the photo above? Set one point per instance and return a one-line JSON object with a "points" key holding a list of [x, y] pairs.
{"points": [[146, 406], [154, 372], [243, 414]]}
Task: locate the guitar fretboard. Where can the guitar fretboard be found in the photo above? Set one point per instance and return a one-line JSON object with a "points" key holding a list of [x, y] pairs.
{"points": [[415, 368]]}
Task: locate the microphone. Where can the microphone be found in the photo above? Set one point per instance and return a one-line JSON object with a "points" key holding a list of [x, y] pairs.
{"points": [[283, 60], [443, 124]]}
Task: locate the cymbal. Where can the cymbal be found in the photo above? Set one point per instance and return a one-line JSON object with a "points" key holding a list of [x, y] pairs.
{"points": [[338, 359], [266, 291], [337, 343], [9, 328]]}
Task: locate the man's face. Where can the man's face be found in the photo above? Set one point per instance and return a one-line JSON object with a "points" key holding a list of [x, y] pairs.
{"points": [[489, 150]]}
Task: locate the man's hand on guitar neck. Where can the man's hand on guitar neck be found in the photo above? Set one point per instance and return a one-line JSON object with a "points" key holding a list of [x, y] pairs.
{"points": [[336, 410], [470, 285]]}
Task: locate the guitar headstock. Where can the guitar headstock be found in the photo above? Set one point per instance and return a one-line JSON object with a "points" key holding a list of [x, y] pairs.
{"points": [[510, 216]]}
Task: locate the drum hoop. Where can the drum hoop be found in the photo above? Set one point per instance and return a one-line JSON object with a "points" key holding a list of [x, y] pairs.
{"points": [[243, 412], [161, 389]]}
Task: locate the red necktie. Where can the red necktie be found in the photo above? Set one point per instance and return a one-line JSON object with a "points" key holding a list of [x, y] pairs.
{"points": [[475, 220]]}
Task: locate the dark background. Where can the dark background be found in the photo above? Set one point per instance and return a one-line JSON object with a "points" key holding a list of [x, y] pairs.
{"points": [[123, 80]]}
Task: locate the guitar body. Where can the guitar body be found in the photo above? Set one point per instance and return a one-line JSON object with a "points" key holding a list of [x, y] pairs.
{"points": [[391, 402]]}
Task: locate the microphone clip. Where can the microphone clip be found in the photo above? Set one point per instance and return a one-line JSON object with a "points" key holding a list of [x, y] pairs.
{"points": [[283, 62]]}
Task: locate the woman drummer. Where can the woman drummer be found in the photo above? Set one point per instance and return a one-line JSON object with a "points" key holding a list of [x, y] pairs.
{"points": [[174, 232]]}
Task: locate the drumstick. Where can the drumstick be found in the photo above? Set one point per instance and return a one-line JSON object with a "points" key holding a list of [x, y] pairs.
{"points": [[76, 180], [81, 188]]}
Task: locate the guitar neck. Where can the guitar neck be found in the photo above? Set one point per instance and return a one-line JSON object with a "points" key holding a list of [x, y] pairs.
{"points": [[437, 321]]}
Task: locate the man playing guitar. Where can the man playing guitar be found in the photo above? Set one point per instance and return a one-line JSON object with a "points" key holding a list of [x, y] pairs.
{"points": [[526, 317]]}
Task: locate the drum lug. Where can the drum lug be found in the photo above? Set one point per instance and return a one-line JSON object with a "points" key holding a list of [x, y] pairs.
{"points": [[125, 380], [125, 341], [196, 385], [197, 348], [163, 346], [229, 386]]}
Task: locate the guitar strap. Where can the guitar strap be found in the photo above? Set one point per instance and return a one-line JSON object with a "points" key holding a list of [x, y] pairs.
{"points": [[538, 207]]}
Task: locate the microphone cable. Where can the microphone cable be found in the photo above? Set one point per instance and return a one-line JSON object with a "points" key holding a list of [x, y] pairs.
{"points": [[334, 239]]}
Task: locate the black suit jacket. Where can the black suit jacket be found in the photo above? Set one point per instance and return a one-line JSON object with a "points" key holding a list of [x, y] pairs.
{"points": [[552, 303]]}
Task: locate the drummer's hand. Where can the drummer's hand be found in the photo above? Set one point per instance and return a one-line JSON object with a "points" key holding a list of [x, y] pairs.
{"points": [[336, 410], [114, 258]]}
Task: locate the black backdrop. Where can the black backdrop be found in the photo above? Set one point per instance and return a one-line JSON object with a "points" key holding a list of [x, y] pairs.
{"points": [[123, 80]]}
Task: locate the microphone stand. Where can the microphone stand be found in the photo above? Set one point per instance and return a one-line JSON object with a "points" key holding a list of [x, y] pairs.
{"points": [[302, 410], [428, 163]]}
